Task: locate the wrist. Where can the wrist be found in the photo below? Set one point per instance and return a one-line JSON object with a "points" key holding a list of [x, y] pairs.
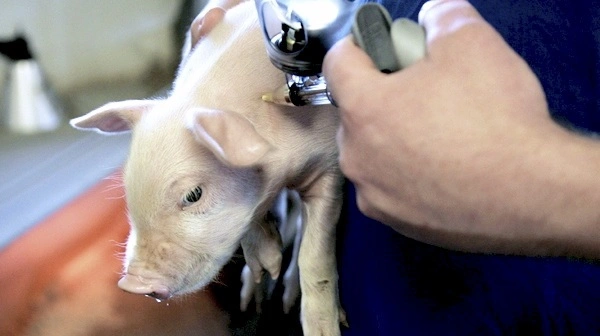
{"points": [[538, 195], [577, 209]]}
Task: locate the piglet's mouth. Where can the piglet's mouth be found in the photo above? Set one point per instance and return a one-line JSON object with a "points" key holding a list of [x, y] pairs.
{"points": [[159, 296], [137, 284]]}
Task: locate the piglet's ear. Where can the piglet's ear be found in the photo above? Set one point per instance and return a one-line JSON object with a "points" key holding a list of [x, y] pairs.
{"points": [[114, 117], [231, 137], [204, 23]]}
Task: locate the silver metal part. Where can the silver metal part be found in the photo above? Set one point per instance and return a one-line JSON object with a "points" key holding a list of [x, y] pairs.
{"points": [[307, 90], [298, 33]]}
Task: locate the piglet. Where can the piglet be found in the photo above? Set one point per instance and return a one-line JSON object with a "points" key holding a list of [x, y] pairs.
{"points": [[286, 216], [207, 162]]}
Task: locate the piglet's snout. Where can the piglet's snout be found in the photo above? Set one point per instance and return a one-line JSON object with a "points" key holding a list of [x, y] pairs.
{"points": [[137, 284]]}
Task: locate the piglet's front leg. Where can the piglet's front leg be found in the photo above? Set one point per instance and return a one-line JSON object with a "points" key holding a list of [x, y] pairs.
{"points": [[320, 309], [262, 247]]}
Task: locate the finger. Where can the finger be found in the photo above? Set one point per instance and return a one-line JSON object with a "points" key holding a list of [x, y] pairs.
{"points": [[443, 18], [342, 157], [346, 69], [456, 32], [446, 16]]}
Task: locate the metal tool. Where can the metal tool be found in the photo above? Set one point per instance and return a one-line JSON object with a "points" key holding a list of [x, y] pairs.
{"points": [[298, 34]]}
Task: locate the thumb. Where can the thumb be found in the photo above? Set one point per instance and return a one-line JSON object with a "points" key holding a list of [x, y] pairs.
{"points": [[442, 18], [439, 16], [347, 68]]}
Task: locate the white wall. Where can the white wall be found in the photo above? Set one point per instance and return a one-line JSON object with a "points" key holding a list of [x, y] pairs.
{"points": [[85, 41]]}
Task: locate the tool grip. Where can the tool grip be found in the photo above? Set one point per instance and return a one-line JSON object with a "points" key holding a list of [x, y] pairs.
{"points": [[392, 46]]}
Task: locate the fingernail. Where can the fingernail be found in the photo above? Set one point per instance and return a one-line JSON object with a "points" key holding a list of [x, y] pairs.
{"points": [[426, 7]]}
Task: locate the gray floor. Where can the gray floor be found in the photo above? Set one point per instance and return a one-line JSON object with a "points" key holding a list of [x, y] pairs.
{"points": [[41, 173]]}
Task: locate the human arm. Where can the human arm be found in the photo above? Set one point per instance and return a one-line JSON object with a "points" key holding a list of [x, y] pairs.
{"points": [[459, 150]]}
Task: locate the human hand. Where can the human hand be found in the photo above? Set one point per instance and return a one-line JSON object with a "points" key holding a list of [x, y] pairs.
{"points": [[444, 151]]}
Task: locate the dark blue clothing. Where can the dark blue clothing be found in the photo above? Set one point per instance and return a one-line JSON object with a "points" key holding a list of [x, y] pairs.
{"points": [[391, 285]]}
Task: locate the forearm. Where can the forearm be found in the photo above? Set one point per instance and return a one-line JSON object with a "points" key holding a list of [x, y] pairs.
{"points": [[556, 194], [539, 195], [573, 207]]}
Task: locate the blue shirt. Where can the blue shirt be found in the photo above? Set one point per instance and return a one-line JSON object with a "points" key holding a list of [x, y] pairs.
{"points": [[392, 285]]}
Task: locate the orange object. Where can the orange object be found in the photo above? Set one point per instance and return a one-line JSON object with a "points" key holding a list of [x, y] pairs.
{"points": [[60, 278]]}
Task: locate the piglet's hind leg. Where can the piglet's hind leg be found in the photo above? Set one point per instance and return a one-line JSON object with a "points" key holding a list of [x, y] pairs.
{"points": [[320, 308]]}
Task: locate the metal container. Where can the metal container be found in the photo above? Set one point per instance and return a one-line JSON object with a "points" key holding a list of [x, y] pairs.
{"points": [[28, 104]]}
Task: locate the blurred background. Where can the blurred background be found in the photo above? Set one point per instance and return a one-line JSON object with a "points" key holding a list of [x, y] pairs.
{"points": [[88, 53], [62, 213], [83, 42]]}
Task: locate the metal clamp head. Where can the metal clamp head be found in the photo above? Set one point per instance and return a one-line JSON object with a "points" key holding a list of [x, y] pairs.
{"points": [[298, 33]]}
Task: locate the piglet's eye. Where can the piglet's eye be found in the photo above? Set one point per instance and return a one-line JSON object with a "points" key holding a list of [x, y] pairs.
{"points": [[193, 196]]}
